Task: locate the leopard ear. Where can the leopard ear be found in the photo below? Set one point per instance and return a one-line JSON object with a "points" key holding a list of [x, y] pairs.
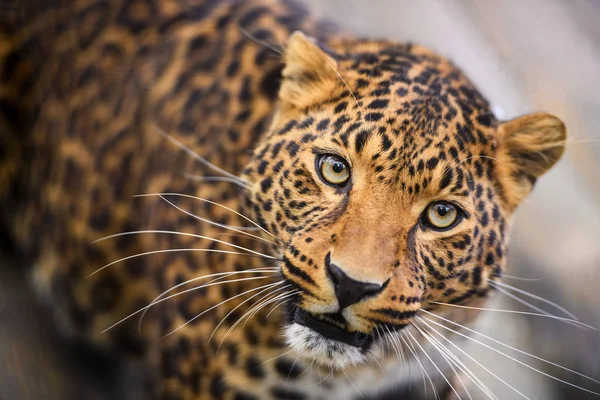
{"points": [[309, 75], [528, 147]]}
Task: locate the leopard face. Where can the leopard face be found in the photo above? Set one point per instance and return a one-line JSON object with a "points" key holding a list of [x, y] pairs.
{"points": [[391, 186]]}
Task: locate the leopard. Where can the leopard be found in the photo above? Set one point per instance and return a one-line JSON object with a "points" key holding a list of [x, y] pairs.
{"points": [[251, 201]]}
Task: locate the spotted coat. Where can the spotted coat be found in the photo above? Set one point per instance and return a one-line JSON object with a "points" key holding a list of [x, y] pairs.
{"points": [[105, 100]]}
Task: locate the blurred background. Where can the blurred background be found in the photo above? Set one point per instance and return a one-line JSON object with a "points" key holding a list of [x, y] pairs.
{"points": [[524, 55]]}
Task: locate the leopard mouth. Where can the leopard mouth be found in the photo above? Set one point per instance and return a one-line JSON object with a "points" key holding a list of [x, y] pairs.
{"points": [[333, 326]]}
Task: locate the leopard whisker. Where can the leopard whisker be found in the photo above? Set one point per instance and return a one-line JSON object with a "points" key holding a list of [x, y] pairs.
{"points": [[238, 306], [215, 223], [210, 179], [240, 182], [258, 305], [175, 251], [533, 296], [392, 340], [248, 312], [233, 235], [307, 368], [179, 294], [270, 301], [472, 359], [513, 358], [512, 348], [218, 305], [550, 316], [360, 111], [183, 234], [213, 203], [278, 304], [276, 357], [292, 368], [282, 296], [478, 382], [451, 357], [433, 363], [446, 358], [219, 275], [380, 340], [518, 278], [321, 380], [268, 45], [353, 385], [423, 370]]}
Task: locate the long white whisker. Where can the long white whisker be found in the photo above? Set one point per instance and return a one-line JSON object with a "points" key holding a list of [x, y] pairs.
{"points": [[550, 316], [238, 306], [533, 296], [321, 380], [184, 234], [215, 223], [413, 351], [433, 363], [217, 305], [473, 359], [261, 42], [353, 385], [513, 358], [147, 253], [307, 368], [248, 312], [202, 160], [512, 348], [535, 308], [270, 301], [279, 303], [347, 87], [392, 340], [218, 275], [449, 356], [210, 178], [443, 352], [292, 368], [519, 278], [273, 358], [180, 293], [210, 202], [263, 302]]}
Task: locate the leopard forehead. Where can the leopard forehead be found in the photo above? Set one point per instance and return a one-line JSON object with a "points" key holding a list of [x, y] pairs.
{"points": [[402, 117]]}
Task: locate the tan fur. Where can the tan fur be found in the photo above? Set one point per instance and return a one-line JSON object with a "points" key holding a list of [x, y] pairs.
{"points": [[100, 102]]}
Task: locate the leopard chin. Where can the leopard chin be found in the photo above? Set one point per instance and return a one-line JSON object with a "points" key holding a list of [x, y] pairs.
{"points": [[325, 339], [326, 352]]}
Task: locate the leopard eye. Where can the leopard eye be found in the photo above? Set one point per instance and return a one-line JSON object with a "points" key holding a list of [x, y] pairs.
{"points": [[441, 215], [333, 169]]}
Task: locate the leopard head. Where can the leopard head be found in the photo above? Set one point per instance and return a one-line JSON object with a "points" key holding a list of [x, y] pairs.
{"points": [[391, 186]]}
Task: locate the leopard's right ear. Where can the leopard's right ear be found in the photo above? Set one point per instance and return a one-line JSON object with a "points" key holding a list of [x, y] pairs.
{"points": [[309, 75], [528, 147]]}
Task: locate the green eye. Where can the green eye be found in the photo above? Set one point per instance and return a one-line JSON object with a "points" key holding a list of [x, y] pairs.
{"points": [[333, 169], [441, 215]]}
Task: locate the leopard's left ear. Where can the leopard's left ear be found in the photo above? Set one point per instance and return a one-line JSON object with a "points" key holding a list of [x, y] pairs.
{"points": [[528, 147], [309, 75]]}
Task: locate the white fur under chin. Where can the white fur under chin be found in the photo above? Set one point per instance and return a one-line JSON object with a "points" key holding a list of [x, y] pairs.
{"points": [[327, 352]]}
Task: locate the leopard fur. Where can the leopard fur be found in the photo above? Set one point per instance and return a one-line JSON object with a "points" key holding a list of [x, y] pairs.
{"points": [[101, 101]]}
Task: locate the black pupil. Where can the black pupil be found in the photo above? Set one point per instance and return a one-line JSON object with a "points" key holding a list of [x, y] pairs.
{"points": [[337, 167], [442, 209]]}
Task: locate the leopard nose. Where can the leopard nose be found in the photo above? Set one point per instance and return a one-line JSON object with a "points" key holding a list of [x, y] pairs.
{"points": [[349, 291]]}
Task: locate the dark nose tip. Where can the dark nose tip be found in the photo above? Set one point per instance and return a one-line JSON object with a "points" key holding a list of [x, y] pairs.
{"points": [[347, 290]]}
